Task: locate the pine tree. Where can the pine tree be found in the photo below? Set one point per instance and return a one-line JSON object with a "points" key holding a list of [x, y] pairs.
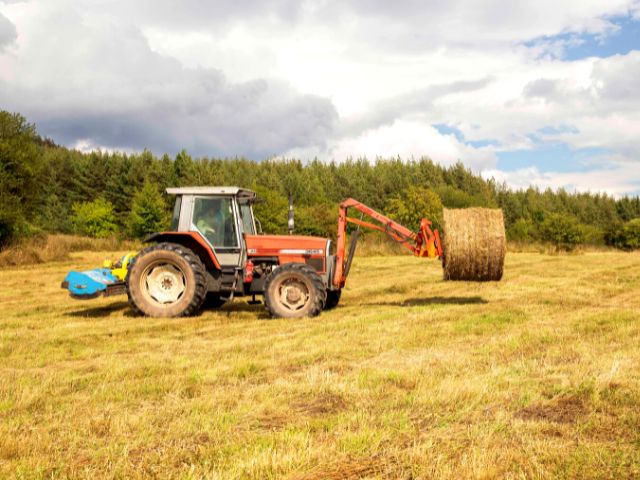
{"points": [[148, 212], [20, 166], [184, 170]]}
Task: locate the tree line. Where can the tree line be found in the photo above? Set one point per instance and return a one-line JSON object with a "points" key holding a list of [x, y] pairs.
{"points": [[49, 188]]}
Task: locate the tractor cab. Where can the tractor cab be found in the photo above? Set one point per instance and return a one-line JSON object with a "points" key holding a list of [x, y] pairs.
{"points": [[222, 216]]}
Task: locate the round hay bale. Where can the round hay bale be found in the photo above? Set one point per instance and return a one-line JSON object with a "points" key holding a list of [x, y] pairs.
{"points": [[474, 244]]}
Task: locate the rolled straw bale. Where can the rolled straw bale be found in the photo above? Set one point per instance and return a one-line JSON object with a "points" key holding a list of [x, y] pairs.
{"points": [[474, 244]]}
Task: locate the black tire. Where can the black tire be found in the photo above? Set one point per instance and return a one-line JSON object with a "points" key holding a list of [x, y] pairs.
{"points": [[213, 300], [305, 293], [333, 298], [179, 288]]}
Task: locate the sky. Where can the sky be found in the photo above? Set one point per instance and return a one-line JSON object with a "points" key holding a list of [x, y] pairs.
{"points": [[543, 93]]}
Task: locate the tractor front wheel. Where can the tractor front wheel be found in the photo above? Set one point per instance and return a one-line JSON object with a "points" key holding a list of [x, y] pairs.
{"points": [[166, 280], [294, 290]]}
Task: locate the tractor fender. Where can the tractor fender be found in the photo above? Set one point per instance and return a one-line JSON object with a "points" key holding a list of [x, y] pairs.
{"points": [[191, 240]]}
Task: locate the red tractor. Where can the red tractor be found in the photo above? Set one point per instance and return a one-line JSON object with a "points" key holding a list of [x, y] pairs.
{"points": [[214, 252]]}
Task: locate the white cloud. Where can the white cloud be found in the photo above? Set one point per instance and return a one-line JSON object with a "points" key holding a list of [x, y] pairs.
{"points": [[617, 179], [405, 139], [411, 24], [328, 79]]}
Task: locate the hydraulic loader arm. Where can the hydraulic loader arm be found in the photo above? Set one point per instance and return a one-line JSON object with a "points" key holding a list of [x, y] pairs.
{"points": [[423, 243]]}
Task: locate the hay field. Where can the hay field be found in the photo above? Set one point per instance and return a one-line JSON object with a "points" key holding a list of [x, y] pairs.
{"points": [[410, 377]]}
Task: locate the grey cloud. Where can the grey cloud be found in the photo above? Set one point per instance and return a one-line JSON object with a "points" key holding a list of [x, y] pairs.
{"points": [[415, 102], [111, 89], [617, 78], [542, 88], [232, 126], [612, 80], [7, 31]]}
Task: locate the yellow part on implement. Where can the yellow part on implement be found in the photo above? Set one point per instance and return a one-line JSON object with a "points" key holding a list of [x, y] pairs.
{"points": [[119, 271]]}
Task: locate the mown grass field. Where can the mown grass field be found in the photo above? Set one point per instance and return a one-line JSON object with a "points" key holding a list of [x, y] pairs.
{"points": [[410, 377]]}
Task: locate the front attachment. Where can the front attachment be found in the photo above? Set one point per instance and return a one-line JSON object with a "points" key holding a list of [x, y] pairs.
{"points": [[93, 283], [107, 281]]}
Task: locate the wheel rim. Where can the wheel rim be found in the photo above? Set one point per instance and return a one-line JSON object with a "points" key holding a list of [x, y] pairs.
{"points": [[163, 282], [293, 294]]}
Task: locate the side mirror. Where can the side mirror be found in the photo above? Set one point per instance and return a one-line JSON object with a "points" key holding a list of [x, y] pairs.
{"points": [[290, 223]]}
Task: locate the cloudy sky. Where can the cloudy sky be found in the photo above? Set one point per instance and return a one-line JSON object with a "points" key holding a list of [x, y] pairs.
{"points": [[544, 92]]}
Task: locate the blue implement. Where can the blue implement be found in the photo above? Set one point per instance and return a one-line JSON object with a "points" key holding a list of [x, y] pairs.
{"points": [[92, 283]]}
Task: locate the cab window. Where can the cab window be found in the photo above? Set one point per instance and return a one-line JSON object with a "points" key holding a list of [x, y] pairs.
{"points": [[175, 218], [213, 217]]}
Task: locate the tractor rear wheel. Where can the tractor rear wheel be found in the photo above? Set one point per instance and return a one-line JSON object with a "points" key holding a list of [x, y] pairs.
{"points": [[166, 280], [333, 298], [294, 290]]}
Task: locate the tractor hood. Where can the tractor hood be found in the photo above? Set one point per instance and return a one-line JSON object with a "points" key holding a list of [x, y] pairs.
{"points": [[286, 246], [290, 249]]}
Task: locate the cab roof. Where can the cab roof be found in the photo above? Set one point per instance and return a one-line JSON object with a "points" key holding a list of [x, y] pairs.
{"points": [[235, 191]]}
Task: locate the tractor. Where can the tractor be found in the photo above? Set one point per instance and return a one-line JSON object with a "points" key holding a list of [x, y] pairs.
{"points": [[214, 252]]}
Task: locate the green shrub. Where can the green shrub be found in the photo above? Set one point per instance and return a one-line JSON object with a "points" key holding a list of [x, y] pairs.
{"points": [[453, 197], [625, 236], [632, 233], [521, 231], [614, 235], [319, 220], [95, 219], [414, 204], [593, 235], [564, 232]]}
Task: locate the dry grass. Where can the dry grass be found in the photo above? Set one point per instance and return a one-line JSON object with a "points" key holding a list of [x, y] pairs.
{"points": [[53, 248], [537, 376]]}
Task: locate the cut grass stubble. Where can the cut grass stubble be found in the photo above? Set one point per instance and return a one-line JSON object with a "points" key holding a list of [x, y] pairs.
{"points": [[536, 376]]}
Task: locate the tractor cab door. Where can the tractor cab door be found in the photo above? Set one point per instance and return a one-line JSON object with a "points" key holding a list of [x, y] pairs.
{"points": [[217, 219]]}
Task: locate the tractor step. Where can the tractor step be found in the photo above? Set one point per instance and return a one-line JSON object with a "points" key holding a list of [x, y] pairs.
{"points": [[229, 280], [229, 283]]}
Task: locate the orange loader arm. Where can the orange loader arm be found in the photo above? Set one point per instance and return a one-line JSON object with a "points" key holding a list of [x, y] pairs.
{"points": [[423, 243]]}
